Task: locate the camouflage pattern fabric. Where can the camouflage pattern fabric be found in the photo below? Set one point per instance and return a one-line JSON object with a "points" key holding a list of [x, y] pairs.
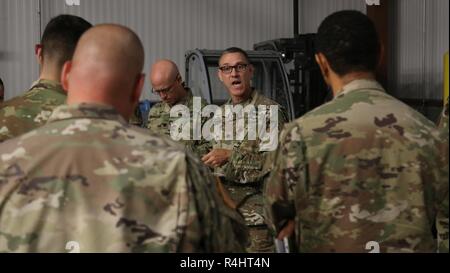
{"points": [[442, 223], [31, 110], [242, 175], [159, 121], [109, 187], [363, 167]]}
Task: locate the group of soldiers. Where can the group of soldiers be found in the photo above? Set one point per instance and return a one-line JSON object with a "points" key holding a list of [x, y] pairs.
{"points": [[361, 168]]}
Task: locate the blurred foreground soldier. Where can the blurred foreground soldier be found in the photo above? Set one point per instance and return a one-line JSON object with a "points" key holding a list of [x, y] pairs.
{"points": [[2, 91], [364, 169], [100, 184], [168, 84], [31, 110], [240, 163]]}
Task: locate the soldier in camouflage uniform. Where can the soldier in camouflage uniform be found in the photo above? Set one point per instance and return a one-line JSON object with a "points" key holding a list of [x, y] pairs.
{"points": [[364, 168], [240, 163], [167, 83], [99, 184], [31, 110]]}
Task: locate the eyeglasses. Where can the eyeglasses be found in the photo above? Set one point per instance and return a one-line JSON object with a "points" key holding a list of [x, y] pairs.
{"points": [[167, 89], [227, 69]]}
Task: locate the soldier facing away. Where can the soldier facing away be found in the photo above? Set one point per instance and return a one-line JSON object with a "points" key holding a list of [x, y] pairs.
{"points": [[100, 183], [31, 110], [364, 168], [240, 163], [168, 84]]}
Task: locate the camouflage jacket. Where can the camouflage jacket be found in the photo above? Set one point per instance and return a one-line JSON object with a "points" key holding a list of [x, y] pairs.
{"points": [[442, 224], [106, 186], [246, 167], [247, 161], [159, 121], [363, 167], [31, 110]]}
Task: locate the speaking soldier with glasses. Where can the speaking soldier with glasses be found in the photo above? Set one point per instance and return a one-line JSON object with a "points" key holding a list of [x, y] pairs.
{"points": [[240, 164], [168, 85]]}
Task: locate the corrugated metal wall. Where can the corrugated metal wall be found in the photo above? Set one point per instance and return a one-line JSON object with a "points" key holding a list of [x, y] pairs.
{"points": [[418, 41], [312, 12], [417, 47], [419, 32], [19, 32], [167, 27]]}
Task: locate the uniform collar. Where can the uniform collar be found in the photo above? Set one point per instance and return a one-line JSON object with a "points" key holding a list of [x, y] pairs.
{"points": [[184, 101], [251, 100], [86, 111], [358, 85], [187, 99], [48, 84]]}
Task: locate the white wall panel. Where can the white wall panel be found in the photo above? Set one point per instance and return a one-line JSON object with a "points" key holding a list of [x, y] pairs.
{"points": [[417, 47], [419, 32], [170, 27], [19, 32]]}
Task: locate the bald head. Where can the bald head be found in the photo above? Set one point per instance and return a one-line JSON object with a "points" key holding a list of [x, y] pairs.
{"points": [[167, 82], [106, 68], [163, 71]]}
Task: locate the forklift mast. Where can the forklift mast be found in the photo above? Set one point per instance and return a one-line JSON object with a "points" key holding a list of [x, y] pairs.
{"points": [[307, 85]]}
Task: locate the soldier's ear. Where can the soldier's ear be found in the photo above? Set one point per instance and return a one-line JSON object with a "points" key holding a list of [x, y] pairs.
{"points": [[323, 65], [39, 54], [137, 88], [219, 75], [251, 69], [65, 75]]}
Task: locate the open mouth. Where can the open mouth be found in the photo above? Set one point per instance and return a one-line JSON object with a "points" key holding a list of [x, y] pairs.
{"points": [[236, 84]]}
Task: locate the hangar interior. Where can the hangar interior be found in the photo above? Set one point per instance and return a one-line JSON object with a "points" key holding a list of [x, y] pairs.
{"points": [[415, 33]]}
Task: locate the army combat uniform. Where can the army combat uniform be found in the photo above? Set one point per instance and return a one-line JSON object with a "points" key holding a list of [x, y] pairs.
{"points": [[31, 110], [243, 174], [362, 169], [106, 186], [159, 121], [442, 224]]}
